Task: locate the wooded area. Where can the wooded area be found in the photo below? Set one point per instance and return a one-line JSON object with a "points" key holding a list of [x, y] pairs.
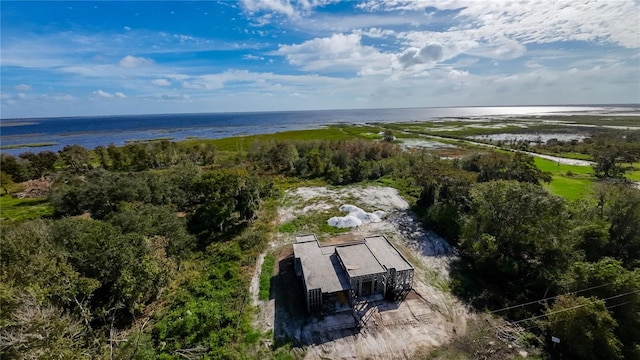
{"points": [[150, 246]]}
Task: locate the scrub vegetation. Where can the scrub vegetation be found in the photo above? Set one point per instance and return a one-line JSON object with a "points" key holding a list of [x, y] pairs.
{"points": [[146, 250]]}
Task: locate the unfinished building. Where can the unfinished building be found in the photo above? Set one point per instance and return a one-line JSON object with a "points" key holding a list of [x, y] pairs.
{"points": [[334, 276]]}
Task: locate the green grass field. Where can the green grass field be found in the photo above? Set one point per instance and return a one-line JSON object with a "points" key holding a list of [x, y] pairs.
{"points": [[23, 209], [633, 172], [341, 132], [569, 181]]}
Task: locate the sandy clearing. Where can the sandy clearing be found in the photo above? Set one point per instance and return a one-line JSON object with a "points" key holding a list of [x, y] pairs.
{"points": [[427, 317]]}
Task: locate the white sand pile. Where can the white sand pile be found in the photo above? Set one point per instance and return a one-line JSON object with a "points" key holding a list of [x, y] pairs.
{"points": [[355, 218]]}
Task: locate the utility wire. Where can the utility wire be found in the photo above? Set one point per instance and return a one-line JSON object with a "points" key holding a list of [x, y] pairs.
{"points": [[562, 310], [576, 307], [549, 298]]}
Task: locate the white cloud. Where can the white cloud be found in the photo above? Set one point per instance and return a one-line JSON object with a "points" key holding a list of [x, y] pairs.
{"points": [[378, 33], [456, 74], [428, 54], [103, 94], [252, 57], [288, 8], [530, 21], [134, 62], [108, 95], [339, 51], [277, 6], [22, 87], [161, 82]]}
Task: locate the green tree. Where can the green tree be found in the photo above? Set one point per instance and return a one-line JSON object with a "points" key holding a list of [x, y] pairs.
{"points": [[103, 156], [76, 157], [41, 164], [6, 182], [444, 195], [500, 166], [516, 237], [608, 279], [152, 221], [128, 266], [228, 200], [619, 206], [584, 327]]}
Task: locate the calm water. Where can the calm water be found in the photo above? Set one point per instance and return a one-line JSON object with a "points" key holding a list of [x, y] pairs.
{"points": [[104, 130]]}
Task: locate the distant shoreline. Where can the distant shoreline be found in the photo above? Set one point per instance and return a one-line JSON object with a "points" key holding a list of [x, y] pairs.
{"points": [[20, 135], [36, 118]]}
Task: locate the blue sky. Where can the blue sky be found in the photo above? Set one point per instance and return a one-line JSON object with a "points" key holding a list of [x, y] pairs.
{"points": [[102, 58]]}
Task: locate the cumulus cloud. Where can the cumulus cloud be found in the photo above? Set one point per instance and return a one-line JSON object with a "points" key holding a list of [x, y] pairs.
{"points": [[339, 51], [161, 82], [120, 95], [134, 62], [428, 54], [456, 74], [103, 94]]}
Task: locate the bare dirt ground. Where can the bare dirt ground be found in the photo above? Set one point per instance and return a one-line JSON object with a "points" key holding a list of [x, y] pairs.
{"points": [[428, 316], [36, 188]]}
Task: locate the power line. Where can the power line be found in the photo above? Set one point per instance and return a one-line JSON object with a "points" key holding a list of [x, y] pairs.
{"points": [[576, 307], [549, 298], [564, 310]]}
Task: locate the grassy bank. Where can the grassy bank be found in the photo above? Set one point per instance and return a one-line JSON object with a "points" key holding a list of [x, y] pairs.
{"points": [[13, 209], [265, 276], [30, 145]]}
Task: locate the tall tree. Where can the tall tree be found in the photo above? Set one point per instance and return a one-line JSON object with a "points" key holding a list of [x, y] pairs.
{"points": [[228, 200], [516, 236], [608, 279], [76, 157]]}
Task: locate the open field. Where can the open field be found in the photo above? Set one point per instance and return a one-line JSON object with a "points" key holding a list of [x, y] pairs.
{"points": [[335, 132], [14, 209], [569, 181]]}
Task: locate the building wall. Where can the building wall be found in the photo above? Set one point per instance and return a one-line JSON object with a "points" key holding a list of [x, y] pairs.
{"points": [[399, 281], [314, 300], [368, 284]]}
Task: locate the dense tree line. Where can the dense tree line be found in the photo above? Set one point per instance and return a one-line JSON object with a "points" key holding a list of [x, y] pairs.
{"points": [[338, 162], [28, 165], [137, 156]]}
